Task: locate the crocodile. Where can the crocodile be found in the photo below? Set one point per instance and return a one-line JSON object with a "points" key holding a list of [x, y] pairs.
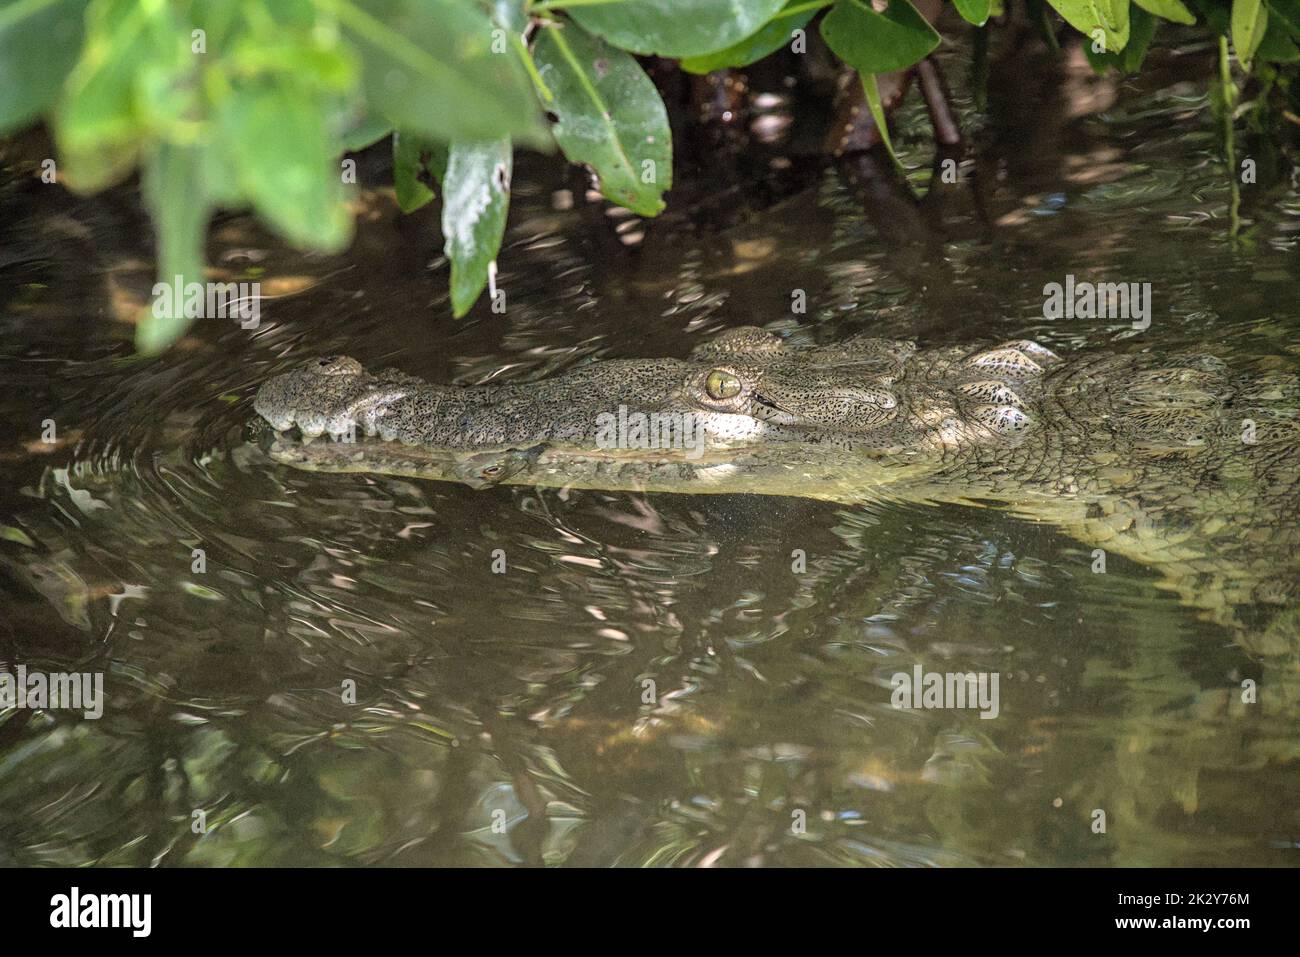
{"points": [[1176, 461]]}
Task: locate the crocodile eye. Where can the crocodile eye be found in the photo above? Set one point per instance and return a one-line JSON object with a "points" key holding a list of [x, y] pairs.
{"points": [[722, 385]]}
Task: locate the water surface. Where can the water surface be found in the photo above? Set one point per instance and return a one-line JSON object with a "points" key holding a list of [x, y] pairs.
{"points": [[502, 718]]}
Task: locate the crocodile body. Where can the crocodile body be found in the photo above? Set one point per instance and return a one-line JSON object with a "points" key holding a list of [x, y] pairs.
{"points": [[1175, 461]]}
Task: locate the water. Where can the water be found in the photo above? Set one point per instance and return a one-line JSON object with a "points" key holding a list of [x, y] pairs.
{"points": [[502, 718]]}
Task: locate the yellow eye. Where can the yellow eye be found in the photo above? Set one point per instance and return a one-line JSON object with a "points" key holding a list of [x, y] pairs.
{"points": [[722, 385]]}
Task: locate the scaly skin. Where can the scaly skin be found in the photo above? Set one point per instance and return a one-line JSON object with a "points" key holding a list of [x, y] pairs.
{"points": [[1174, 461]]}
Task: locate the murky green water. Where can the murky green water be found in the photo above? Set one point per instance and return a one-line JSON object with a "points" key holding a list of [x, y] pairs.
{"points": [[501, 718]]}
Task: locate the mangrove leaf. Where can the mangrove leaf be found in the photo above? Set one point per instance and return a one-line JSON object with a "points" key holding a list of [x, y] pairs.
{"points": [[1110, 17], [475, 198], [608, 115], [39, 43], [770, 37], [675, 28], [430, 66], [873, 42]]}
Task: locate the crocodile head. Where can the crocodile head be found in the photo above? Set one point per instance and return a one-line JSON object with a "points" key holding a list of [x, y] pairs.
{"points": [[744, 412]]}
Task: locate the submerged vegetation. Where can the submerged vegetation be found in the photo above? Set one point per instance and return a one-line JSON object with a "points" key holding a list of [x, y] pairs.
{"points": [[255, 103]]}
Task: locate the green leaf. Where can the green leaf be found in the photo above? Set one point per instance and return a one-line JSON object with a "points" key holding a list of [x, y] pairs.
{"points": [[1044, 24], [220, 177], [39, 43], [287, 162], [1142, 28], [136, 81], [1249, 21], [771, 36], [97, 122], [871, 42], [1173, 10], [167, 98], [475, 199], [675, 28], [977, 11], [430, 66], [367, 131], [506, 13], [1090, 16], [295, 14], [1215, 16], [311, 61], [1277, 45], [216, 18], [174, 193], [871, 89], [509, 15], [609, 116], [1288, 11], [417, 165]]}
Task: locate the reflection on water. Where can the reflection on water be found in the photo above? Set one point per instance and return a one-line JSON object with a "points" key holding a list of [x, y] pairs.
{"points": [[649, 679]]}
